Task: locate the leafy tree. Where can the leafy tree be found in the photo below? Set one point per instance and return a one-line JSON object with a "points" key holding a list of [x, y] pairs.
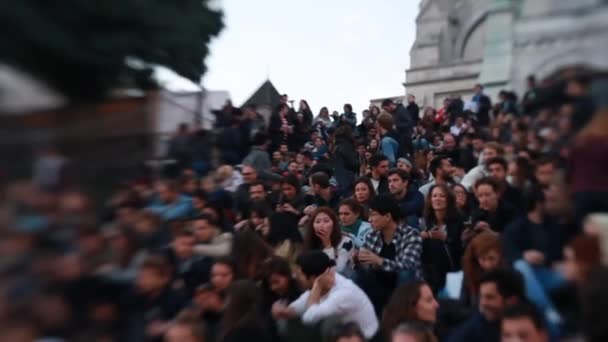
{"points": [[80, 46]]}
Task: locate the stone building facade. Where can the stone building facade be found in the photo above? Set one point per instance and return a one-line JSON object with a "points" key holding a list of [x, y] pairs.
{"points": [[498, 43]]}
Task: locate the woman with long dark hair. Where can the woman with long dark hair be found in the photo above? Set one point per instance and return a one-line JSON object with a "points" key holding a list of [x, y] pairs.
{"points": [[243, 319], [464, 202], [249, 251], [279, 283], [281, 127], [304, 119], [441, 247], [411, 302], [323, 233]]}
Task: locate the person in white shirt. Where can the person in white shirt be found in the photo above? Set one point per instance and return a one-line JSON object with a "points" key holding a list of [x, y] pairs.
{"points": [[329, 295]]}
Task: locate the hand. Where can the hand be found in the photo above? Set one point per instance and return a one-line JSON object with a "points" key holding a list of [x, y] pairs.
{"points": [[303, 221], [156, 328], [264, 229], [438, 234], [482, 226], [324, 237], [467, 234], [279, 309], [309, 210], [424, 235], [240, 225], [534, 257], [289, 208], [367, 257]]}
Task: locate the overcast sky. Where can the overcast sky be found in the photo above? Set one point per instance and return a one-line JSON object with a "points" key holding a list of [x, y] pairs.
{"points": [[328, 52]]}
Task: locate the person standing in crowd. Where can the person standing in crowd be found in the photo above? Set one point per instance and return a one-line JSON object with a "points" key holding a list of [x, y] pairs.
{"points": [[346, 162], [403, 121], [413, 109], [379, 165], [252, 123], [410, 303], [484, 105], [409, 199], [281, 127], [389, 139], [441, 231], [441, 169], [497, 290], [390, 254], [328, 295], [303, 123], [349, 117]]}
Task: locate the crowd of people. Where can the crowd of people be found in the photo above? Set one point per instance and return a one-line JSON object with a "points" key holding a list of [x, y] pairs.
{"points": [[477, 221]]}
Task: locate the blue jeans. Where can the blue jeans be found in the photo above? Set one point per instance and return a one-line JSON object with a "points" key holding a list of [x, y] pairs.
{"points": [[539, 281]]}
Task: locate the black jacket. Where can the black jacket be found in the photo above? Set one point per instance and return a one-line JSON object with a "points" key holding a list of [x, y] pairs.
{"points": [[476, 329], [382, 186], [440, 257], [522, 235], [483, 111], [414, 111], [189, 273], [513, 196], [499, 219], [346, 164], [403, 122]]}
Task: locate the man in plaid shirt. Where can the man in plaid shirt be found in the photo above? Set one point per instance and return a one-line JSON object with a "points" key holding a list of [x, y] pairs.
{"points": [[390, 254]]}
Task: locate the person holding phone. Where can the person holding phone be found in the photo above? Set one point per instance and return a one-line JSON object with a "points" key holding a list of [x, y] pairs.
{"points": [[441, 230]]}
